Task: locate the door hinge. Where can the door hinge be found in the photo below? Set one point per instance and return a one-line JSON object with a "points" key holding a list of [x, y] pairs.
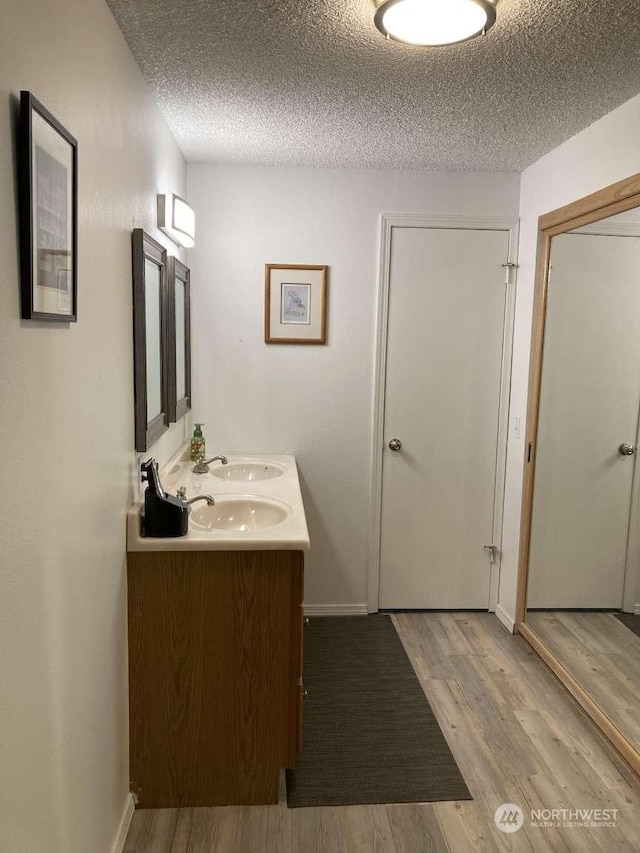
{"points": [[508, 267], [493, 552]]}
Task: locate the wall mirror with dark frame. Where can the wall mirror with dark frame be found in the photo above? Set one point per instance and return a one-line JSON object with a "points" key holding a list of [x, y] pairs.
{"points": [[579, 577], [150, 334], [179, 340]]}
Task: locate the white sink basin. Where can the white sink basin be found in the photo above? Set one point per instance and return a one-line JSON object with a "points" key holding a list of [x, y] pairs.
{"points": [[240, 512], [247, 471]]}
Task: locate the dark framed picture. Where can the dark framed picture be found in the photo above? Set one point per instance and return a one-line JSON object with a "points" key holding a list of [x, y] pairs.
{"points": [[150, 335], [179, 340], [48, 199]]}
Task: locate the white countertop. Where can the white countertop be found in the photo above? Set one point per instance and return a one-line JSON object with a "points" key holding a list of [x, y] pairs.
{"points": [[291, 534]]}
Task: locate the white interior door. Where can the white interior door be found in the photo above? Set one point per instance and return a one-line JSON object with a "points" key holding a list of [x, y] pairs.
{"points": [[590, 397], [444, 359]]}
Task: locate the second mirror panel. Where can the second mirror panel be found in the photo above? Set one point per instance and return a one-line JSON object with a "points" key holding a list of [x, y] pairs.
{"points": [[584, 566], [179, 340], [181, 376]]}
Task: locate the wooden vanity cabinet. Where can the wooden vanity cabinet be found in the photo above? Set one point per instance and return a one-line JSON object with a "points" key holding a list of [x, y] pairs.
{"points": [[215, 675]]}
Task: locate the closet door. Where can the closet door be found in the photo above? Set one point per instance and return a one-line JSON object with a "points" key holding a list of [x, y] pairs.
{"points": [[590, 398]]}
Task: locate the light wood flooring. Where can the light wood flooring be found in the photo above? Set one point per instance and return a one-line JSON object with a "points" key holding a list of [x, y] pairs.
{"points": [[603, 655], [515, 732]]}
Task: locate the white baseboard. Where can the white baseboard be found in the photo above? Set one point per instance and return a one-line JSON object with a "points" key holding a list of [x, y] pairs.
{"points": [[335, 609], [125, 823], [505, 619]]}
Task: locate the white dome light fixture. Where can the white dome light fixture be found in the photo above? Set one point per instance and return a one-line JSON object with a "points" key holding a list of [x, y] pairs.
{"points": [[433, 23]]}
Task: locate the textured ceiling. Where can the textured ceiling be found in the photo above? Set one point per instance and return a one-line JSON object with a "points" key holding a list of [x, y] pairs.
{"points": [[312, 82]]}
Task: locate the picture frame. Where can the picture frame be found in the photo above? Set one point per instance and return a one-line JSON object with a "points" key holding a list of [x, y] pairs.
{"points": [[48, 206], [150, 335], [179, 339], [295, 307]]}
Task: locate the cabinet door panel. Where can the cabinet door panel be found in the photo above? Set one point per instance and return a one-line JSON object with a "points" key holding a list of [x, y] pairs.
{"points": [[210, 673]]}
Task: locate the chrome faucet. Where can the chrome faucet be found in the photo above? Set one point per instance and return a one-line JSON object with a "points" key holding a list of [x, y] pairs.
{"points": [[210, 501], [202, 464], [182, 494]]}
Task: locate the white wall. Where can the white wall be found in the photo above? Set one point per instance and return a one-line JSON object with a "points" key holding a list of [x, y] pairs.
{"points": [[606, 152], [313, 401], [66, 438]]}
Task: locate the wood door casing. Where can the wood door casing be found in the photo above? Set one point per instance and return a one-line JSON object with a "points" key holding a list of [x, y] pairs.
{"points": [[616, 198]]}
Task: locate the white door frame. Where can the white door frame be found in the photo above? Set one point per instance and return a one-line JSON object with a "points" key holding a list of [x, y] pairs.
{"points": [[389, 221]]}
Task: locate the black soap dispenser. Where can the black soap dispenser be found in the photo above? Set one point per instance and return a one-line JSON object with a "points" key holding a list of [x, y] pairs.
{"points": [[164, 515]]}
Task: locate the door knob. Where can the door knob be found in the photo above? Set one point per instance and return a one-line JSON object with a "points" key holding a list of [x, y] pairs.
{"points": [[626, 449], [395, 444]]}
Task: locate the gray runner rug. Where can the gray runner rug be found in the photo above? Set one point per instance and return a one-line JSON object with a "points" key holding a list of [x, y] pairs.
{"points": [[368, 732], [631, 620]]}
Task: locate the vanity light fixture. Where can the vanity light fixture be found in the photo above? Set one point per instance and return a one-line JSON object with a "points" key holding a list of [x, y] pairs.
{"points": [[177, 219], [432, 23]]}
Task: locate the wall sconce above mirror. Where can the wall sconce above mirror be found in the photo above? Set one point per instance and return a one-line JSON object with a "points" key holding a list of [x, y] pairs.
{"points": [[177, 219], [579, 582]]}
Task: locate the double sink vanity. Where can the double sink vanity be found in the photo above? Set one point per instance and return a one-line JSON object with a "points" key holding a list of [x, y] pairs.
{"points": [[258, 505], [215, 637]]}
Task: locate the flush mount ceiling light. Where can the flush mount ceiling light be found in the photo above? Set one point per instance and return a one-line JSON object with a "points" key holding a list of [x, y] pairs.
{"points": [[430, 23], [177, 219]]}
